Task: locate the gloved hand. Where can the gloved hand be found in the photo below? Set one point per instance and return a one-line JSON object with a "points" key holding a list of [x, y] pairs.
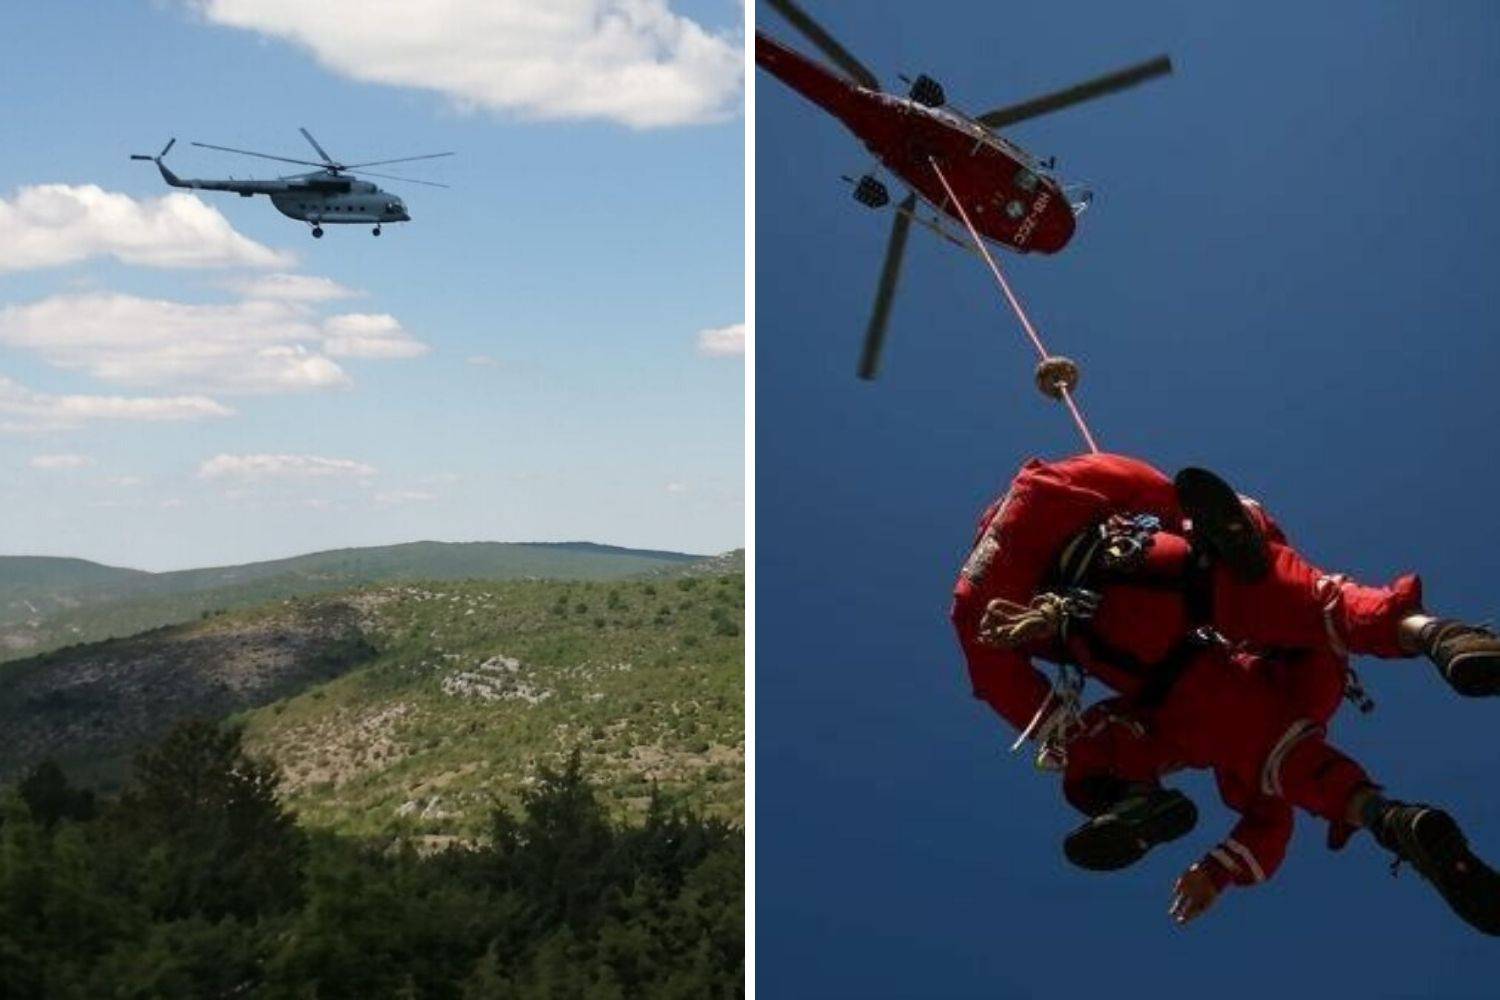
{"points": [[1192, 896]]}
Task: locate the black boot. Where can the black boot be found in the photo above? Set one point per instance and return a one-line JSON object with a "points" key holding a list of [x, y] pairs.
{"points": [[1123, 834], [1222, 525], [1467, 656], [1431, 841]]}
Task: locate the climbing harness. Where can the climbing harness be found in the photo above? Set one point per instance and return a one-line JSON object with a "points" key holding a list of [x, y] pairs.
{"points": [[1056, 376], [1117, 546], [1113, 549]]}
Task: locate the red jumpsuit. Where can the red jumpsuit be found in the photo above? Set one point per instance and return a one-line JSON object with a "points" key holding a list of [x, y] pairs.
{"points": [[1256, 719]]}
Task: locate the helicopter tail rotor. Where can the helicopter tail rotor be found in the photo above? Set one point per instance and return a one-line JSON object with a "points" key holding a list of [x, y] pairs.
{"points": [[157, 158], [166, 174]]}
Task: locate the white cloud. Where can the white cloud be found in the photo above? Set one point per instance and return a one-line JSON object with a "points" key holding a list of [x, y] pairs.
{"points": [[722, 342], [250, 468], [629, 61], [250, 346], [48, 225], [482, 361], [369, 335], [125, 482], [241, 347], [291, 288], [25, 411], [677, 487], [60, 461]]}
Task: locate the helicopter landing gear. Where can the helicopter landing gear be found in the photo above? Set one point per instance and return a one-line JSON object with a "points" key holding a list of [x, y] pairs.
{"points": [[375, 231], [870, 192], [317, 232], [928, 92]]}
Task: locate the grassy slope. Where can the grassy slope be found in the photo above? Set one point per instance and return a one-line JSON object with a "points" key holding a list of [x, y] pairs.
{"points": [[646, 678]]}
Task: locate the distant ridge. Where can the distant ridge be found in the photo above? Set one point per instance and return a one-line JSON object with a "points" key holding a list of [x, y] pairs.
{"points": [[616, 549], [45, 571], [47, 602]]}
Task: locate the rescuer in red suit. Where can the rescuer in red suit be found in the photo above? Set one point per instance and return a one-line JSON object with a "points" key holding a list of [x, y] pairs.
{"points": [[1229, 651]]}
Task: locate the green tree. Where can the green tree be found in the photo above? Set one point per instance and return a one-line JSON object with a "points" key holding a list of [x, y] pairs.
{"points": [[23, 894], [206, 817], [196, 883], [194, 957], [488, 981], [557, 856], [50, 798]]}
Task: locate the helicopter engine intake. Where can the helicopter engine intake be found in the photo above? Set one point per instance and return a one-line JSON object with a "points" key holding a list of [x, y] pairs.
{"points": [[928, 92], [869, 191]]}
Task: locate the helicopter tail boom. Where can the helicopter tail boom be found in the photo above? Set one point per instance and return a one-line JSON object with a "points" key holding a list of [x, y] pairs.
{"points": [[828, 90], [166, 174], [171, 178]]}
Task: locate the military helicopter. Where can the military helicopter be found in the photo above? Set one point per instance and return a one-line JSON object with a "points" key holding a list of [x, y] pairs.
{"points": [[329, 195], [1013, 198]]}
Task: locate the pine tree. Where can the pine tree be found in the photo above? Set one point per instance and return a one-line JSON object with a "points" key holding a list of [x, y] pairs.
{"points": [[488, 980], [50, 798], [220, 842]]}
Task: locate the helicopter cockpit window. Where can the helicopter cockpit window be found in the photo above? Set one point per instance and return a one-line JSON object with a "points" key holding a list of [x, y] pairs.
{"points": [[1026, 180]]}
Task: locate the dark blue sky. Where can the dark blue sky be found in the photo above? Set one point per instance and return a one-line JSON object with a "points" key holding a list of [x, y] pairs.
{"points": [[1288, 275]]}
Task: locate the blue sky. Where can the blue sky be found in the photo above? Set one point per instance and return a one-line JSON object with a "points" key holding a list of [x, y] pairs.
{"points": [[1287, 275], [539, 374]]}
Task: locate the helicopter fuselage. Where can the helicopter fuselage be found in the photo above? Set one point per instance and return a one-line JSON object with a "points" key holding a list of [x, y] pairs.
{"points": [[325, 208], [322, 199], [1008, 195]]}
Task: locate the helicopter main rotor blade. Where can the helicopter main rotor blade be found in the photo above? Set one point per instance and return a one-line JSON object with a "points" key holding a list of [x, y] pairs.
{"points": [[404, 180], [1078, 93], [404, 159], [321, 152], [890, 271], [813, 32], [263, 156]]}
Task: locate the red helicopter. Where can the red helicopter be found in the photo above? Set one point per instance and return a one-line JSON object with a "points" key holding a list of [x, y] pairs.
{"points": [[1010, 196]]}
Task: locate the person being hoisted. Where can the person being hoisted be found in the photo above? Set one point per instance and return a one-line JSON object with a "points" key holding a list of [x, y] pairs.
{"points": [[1228, 650]]}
